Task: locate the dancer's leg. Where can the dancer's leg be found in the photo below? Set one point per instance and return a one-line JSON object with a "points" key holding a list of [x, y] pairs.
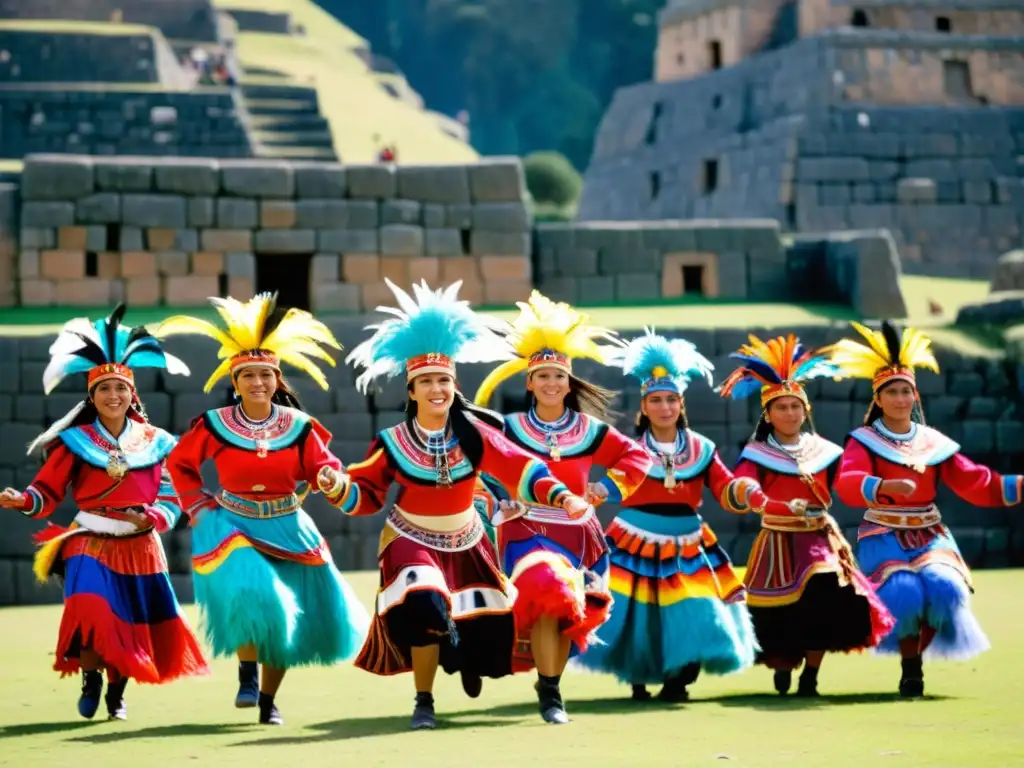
{"points": [[425, 659], [550, 655]]}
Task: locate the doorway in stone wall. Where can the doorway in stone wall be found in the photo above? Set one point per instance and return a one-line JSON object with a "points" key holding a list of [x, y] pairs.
{"points": [[287, 274]]}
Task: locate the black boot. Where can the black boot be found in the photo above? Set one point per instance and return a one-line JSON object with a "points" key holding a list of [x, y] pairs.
{"points": [[808, 686], [674, 689], [640, 693], [549, 696], [783, 680], [912, 680], [423, 713], [92, 690], [472, 683], [268, 711], [116, 709], [248, 685]]}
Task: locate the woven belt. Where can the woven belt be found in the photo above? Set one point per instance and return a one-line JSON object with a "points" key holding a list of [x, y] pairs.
{"points": [[279, 507], [815, 520], [106, 522], [540, 513], [904, 517], [463, 538]]}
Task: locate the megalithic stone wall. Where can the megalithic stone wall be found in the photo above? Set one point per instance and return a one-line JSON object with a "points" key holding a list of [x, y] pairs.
{"points": [[974, 400]]}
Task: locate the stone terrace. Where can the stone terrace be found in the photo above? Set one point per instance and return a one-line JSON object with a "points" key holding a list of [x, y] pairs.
{"points": [[193, 20]]}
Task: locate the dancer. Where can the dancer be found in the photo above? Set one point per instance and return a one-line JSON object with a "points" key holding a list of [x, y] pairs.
{"points": [[559, 563], [443, 599], [678, 605], [120, 612], [893, 465], [264, 577], [805, 592]]}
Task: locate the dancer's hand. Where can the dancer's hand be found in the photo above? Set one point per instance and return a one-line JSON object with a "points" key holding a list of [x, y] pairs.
{"points": [[575, 506], [798, 507], [510, 510], [138, 519], [12, 499], [596, 494], [330, 480], [898, 487]]}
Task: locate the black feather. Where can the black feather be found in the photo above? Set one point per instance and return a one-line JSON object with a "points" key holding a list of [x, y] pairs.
{"points": [[893, 340], [274, 316], [90, 350], [146, 343], [113, 323]]}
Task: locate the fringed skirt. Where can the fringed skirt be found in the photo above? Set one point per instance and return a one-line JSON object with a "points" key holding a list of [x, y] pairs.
{"points": [[923, 580], [272, 583], [677, 602], [806, 593], [440, 588], [559, 568], [119, 603]]}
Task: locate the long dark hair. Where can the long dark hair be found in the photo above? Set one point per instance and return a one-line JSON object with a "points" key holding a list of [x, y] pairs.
{"points": [[467, 435], [587, 398]]}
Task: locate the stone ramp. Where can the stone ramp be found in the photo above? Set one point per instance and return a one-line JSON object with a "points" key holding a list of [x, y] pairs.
{"points": [[286, 121], [193, 20]]}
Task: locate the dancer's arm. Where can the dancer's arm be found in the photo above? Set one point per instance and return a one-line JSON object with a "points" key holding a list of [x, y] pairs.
{"points": [[858, 485], [626, 462], [183, 465], [518, 471], [165, 510], [979, 485], [49, 486], [362, 488], [740, 492]]}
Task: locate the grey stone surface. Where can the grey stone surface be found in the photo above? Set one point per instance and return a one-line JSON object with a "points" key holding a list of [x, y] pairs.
{"points": [[373, 182], [501, 217], [123, 174], [193, 176], [321, 214], [483, 242], [201, 212], [320, 180], [236, 213], [348, 240], [238, 264], [47, 215], [400, 211], [101, 208], [442, 242], [258, 178], [434, 216], [401, 240], [57, 177], [286, 241], [153, 210], [433, 183], [496, 180]]}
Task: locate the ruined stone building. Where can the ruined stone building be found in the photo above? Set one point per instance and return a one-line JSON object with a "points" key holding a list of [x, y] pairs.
{"points": [[906, 115]]}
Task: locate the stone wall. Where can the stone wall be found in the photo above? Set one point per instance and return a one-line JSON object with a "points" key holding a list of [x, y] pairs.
{"points": [[93, 231], [193, 20], [973, 400], [9, 201], [778, 136], [262, 21], [206, 122], [964, 17]]}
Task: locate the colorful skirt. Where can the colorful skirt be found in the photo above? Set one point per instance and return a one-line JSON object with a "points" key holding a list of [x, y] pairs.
{"points": [[559, 568], [806, 593], [119, 603], [440, 588], [271, 582], [923, 580], [677, 602]]}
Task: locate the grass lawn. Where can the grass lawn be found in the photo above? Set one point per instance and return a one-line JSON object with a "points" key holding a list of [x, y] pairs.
{"points": [[342, 716]]}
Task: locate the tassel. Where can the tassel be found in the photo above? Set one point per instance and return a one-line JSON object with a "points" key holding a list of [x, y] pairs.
{"points": [[670, 470]]}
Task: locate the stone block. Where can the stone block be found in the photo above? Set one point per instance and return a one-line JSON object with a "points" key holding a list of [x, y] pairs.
{"points": [[483, 242], [833, 169], [434, 216], [258, 178], [159, 239], [226, 240], [401, 240], [87, 292], [235, 213], [207, 263], [401, 212], [501, 217], [732, 276], [36, 293], [321, 214], [443, 242], [285, 241], [916, 191], [319, 180], [614, 262], [424, 269], [277, 214], [395, 269], [1009, 436], [95, 238], [577, 262], [360, 268], [239, 264], [348, 240], [37, 238], [966, 385], [47, 215], [597, 290], [505, 293], [978, 436], [131, 239], [370, 182], [124, 174], [142, 291], [464, 268], [324, 268], [433, 183], [360, 214], [153, 210], [189, 290], [28, 264], [62, 265], [138, 264], [57, 177], [242, 288], [511, 268], [101, 208], [458, 215], [335, 297], [71, 238], [637, 287], [201, 212], [173, 264], [188, 176], [497, 180], [977, 192]]}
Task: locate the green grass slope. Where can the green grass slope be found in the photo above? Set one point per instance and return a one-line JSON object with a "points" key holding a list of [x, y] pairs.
{"points": [[346, 717]]}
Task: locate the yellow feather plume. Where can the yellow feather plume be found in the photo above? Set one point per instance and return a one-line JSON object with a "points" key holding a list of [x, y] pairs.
{"points": [[294, 340], [884, 349]]}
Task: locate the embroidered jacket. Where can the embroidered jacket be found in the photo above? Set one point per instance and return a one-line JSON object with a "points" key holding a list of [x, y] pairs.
{"points": [[260, 461], [80, 457], [805, 472], [925, 455], [399, 455]]}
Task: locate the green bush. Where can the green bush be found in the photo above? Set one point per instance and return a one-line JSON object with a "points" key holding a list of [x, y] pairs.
{"points": [[551, 178]]}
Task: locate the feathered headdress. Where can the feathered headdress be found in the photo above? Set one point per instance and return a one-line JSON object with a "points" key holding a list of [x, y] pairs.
{"points": [[429, 332], [887, 356], [102, 350], [777, 368], [256, 334], [549, 334], [663, 365]]}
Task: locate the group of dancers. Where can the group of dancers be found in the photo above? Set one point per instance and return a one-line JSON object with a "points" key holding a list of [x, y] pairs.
{"points": [[492, 559]]}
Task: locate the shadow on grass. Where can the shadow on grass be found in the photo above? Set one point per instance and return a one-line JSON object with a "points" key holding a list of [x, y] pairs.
{"points": [[772, 701], [34, 729], [365, 727], [163, 731]]}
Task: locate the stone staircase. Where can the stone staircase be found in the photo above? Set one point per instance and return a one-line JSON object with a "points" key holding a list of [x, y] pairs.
{"points": [[285, 122]]}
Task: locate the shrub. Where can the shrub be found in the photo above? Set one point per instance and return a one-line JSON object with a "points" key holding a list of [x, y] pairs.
{"points": [[551, 178]]}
